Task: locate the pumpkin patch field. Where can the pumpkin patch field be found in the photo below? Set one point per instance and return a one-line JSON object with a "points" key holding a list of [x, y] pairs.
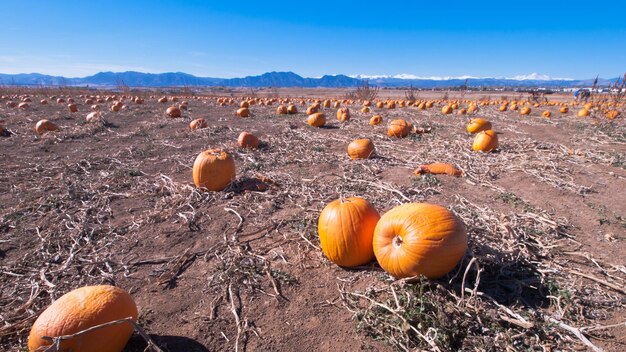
{"points": [[310, 222]]}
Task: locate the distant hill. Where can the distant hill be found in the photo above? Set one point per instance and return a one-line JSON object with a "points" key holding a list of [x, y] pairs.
{"points": [[285, 79]]}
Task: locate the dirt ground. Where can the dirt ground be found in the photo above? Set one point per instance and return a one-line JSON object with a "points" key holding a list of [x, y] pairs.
{"points": [[242, 269]]}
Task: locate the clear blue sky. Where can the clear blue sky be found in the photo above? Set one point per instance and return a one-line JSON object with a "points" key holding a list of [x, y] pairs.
{"points": [[238, 38]]}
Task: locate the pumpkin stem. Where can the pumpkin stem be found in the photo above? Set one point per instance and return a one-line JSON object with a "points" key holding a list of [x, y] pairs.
{"points": [[397, 241]]}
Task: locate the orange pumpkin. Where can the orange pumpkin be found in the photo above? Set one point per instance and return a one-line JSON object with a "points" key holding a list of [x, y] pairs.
{"points": [[243, 112], [317, 120], [419, 239], [346, 228], [22, 106], [447, 109], [398, 128], [247, 140], [485, 141], [83, 308], [116, 107], [244, 104], [93, 117], [438, 169], [376, 120], [162, 100], [564, 109], [365, 109], [198, 123], [502, 107], [292, 109], [361, 149], [44, 126], [343, 114], [281, 110], [477, 125], [312, 109], [380, 104], [213, 169], [173, 111], [583, 112], [546, 114], [43, 102], [525, 110]]}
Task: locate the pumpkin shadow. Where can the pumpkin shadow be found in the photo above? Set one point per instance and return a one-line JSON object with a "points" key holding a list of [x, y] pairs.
{"points": [[167, 343], [251, 184], [329, 127]]}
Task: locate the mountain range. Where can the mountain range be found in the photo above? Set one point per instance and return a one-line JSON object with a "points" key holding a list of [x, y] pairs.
{"points": [[288, 79]]}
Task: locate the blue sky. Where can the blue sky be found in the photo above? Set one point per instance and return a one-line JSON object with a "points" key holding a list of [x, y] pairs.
{"points": [[238, 38]]}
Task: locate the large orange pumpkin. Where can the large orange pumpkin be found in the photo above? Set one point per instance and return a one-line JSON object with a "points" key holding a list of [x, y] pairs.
{"points": [[281, 110], [477, 125], [83, 308], [292, 109], [376, 120], [447, 109], [485, 141], [198, 123], [583, 112], [173, 111], [317, 120], [525, 110], [243, 112], [44, 126], [343, 114], [398, 128], [361, 149], [564, 109], [346, 228], [213, 169], [419, 239], [247, 140]]}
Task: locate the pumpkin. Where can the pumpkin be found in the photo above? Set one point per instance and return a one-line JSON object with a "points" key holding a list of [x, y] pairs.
{"points": [[611, 114], [477, 125], [93, 117], [326, 103], [198, 123], [22, 106], [83, 308], [546, 114], [173, 111], [462, 111], [525, 110], [213, 169], [337, 105], [312, 109], [292, 109], [398, 128], [365, 109], [343, 114], [447, 109], [419, 239], [391, 105], [43, 102], [367, 103], [44, 126], [346, 228], [116, 107], [60, 101], [485, 141], [243, 112], [361, 149], [472, 108], [247, 140], [380, 104], [281, 110], [438, 169], [376, 120], [502, 107], [317, 120], [564, 109], [583, 112], [162, 100], [72, 107], [513, 107]]}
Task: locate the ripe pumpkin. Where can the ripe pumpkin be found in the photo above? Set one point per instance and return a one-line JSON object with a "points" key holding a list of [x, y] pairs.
{"points": [[116, 107], [173, 111], [477, 125], [380, 104], [83, 308], [243, 112], [312, 109], [447, 109], [72, 107], [611, 114], [365, 109], [281, 110], [462, 111], [419, 239], [398, 128], [376, 120], [247, 140], [93, 117], [213, 169], [162, 100], [485, 141], [343, 114], [583, 112], [525, 110], [317, 119], [22, 106], [438, 169], [502, 107], [367, 103], [546, 114], [360, 148], [346, 228], [198, 123], [564, 109], [44, 126], [292, 109], [43, 102]]}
